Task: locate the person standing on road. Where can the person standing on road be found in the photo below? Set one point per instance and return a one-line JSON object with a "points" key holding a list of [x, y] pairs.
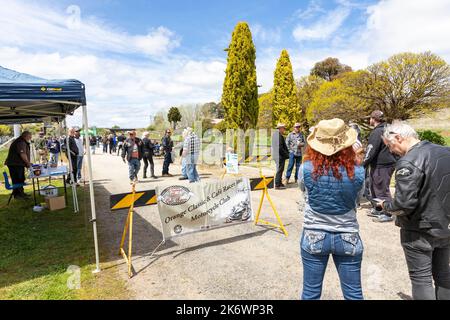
{"points": [[120, 141], [191, 152], [105, 143], [93, 143], [80, 145], [18, 159], [295, 142], [72, 152], [133, 152], [331, 181], [422, 207], [184, 175], [280, 154], [167, 145], [381, 163], [148, 155]]}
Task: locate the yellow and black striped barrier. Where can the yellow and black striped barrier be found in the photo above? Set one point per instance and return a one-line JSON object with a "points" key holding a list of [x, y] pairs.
{"points": [[148, 197]]}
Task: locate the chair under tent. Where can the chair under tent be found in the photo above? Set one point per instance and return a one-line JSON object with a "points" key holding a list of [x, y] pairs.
{"points": [[28, 99]]}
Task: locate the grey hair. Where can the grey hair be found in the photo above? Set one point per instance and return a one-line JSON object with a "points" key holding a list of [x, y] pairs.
{"points": [[401, 128]]}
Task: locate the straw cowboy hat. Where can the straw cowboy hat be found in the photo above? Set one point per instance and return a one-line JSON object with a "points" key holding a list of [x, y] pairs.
{"points": [[281, 125], [331, 136]]}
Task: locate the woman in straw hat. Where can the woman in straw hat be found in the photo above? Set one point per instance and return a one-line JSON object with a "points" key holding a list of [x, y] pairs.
{"points": [[331, 179]]}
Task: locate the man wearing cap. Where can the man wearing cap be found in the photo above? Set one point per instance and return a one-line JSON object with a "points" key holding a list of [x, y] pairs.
{"points": [[295, 141], [381, 163], [280, 154], [133, 151]]}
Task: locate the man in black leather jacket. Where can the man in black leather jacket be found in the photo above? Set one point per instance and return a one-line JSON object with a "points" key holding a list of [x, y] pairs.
{"points": [[422, 207]]}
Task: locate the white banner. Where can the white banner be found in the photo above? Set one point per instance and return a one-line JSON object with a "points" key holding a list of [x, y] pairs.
{"points": [[203, 206]]}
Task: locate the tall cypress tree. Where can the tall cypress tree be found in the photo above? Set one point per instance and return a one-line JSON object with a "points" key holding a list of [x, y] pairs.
{"points": [[286, 108], [240, 90]]}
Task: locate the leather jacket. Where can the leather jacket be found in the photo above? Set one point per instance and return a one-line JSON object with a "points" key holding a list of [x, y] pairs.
{"points": [[127, 150], [377, 153], [422, 190]]}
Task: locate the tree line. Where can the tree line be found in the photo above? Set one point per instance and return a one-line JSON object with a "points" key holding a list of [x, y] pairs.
{"points": [[404, 86]]}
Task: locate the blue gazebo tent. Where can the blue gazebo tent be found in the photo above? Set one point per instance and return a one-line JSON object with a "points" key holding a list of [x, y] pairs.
{"points": [[29, 99]]}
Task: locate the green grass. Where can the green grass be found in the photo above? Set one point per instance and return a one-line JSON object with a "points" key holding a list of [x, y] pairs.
{"points": [[38, 248]]}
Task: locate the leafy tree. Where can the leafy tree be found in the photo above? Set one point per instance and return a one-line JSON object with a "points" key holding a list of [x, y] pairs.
{"points": [[240, 90], [265, 118], [306, 88], [5, 130], [115, 127], [407, 85], [213, 110], [329, 69], [286, 108], [338, 99], [174, 116]]}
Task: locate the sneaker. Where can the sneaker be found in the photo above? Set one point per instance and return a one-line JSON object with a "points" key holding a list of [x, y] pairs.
{"points": [[154, 177], [280, 187], [383, 218], [183, 178], [375, 213]]}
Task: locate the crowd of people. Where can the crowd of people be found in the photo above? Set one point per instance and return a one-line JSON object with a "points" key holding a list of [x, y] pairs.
{"points": [[135, 150], [332, 175], [334, 171]]}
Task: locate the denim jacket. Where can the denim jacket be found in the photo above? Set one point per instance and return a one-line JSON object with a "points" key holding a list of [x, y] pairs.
{"points": [[331, 203]]}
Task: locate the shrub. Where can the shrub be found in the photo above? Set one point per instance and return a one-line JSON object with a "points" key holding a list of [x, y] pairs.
{"points": [[431, 136]]}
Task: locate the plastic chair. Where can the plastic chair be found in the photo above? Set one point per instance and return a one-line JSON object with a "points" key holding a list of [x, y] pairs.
{"points": [[8, 186]]}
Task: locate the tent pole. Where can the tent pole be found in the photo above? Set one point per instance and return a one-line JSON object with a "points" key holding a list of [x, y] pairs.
{"points": [[91, 187]]}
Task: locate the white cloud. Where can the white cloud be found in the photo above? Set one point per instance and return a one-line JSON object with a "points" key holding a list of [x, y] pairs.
{"points": [[25, 24], [266, 35], [117, 89], [394, 26], [325, 27], [311, 11]]}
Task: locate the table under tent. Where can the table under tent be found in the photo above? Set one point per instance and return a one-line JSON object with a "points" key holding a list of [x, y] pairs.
{"points": [[28, 99]]}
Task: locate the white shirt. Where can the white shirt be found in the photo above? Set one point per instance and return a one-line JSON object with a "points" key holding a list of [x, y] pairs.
{"points": [[79, 142]]}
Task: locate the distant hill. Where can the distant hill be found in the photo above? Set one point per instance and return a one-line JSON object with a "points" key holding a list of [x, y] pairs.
{"points": [[8, 76], [440, 120]]}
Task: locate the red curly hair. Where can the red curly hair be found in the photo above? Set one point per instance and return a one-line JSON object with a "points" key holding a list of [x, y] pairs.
{"points": [[323, 164]]}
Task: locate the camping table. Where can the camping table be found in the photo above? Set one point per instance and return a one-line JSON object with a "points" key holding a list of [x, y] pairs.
{"points": [[48, 173]]}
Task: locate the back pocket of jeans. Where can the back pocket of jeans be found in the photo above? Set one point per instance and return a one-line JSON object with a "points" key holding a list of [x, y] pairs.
{"points": [[313, 241], [352, 244]]}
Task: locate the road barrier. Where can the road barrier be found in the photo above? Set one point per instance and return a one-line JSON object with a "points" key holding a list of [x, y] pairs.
{"points": [[148, 197]]}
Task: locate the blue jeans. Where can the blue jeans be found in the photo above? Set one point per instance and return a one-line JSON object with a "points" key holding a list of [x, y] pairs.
{"points": [[346, 248], [191, 169], [297, 160], [54, 157], [167, 162], [79, 166], [133, 168], [183, 167]]}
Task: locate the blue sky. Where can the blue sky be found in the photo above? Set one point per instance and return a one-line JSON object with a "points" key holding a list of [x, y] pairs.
{"points": [[139, 57]]}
